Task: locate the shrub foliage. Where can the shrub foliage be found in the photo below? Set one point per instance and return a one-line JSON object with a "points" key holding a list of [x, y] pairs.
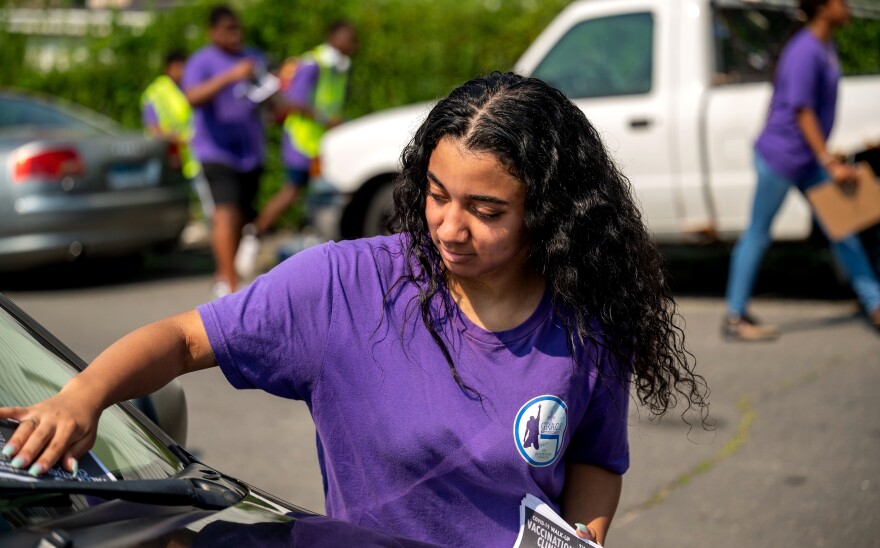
{"points": [[409, 50]]}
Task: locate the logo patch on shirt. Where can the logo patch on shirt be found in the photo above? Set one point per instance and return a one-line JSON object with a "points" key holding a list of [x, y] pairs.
{"points": [[539, 429]]}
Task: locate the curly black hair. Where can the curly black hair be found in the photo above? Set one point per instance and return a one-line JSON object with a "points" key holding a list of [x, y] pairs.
{"points": [[587, 237]]}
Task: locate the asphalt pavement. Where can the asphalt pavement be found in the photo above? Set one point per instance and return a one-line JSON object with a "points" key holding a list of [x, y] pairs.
{"points": [[793, 459]]}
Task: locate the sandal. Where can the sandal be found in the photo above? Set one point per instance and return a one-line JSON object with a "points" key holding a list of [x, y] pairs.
{"points": [[743, 327]]}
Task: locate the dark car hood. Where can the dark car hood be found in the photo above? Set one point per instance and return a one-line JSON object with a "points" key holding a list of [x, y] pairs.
{"points": [[257, 520]]}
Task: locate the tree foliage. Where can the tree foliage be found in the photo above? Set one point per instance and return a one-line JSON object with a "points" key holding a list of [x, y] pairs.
{"points": [[409, 50]]}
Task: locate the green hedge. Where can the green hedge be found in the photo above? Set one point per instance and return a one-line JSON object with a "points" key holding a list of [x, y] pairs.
{"points": [[409, 50]]}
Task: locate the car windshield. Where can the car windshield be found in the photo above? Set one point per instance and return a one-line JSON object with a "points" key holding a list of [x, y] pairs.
{"points": [[21, 112], [31, 371]]}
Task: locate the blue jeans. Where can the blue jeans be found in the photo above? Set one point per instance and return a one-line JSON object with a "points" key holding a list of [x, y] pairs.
{"points": [[749, 250]]}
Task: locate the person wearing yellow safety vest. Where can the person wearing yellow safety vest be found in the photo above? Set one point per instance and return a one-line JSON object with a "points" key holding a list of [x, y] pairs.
{"points": [[166, 113], [313, 102]]}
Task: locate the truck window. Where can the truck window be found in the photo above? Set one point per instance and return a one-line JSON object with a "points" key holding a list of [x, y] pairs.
{"points": [[748, 42], [602, 57], [858, 45]]}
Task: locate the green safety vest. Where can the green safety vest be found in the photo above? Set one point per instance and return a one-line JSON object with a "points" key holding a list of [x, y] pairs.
{"points": [[328, 99], [175, 118]]}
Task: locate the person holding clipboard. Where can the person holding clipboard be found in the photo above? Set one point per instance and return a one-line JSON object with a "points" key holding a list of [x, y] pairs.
{"points": [[792, 151]]}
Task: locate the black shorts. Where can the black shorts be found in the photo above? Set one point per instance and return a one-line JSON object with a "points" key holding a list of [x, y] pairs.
{"points": [[229, 186]]}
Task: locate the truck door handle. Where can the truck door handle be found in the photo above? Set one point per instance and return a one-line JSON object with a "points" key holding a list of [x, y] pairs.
{"points": [[639, 123]]}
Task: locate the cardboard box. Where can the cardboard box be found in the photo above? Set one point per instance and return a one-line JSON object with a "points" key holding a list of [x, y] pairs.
{"points": [[845, 210]]}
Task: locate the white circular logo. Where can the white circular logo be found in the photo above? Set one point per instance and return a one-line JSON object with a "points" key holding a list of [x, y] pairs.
{"points": [[539, 429]]}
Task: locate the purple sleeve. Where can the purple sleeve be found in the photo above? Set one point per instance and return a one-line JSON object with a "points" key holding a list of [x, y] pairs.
{"points": [[195, 71], [148, 115], [272, 334], [304, 81], [799, 78], [601, 438]]}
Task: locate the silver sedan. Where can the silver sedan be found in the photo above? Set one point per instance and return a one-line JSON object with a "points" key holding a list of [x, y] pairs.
{"points": [[74, 183]]}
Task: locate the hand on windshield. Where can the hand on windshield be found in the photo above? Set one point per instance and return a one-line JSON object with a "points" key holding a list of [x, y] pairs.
{"points": [[60, 429], [63, 427]]}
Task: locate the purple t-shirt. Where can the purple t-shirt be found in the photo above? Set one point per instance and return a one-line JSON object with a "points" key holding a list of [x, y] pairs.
{"points": [[806, 77], [228, 129], [299, 93], [402, 447]]}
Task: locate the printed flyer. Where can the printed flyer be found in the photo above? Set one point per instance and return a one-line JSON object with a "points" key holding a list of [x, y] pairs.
{"points": [[90, 468], [541, 527]]}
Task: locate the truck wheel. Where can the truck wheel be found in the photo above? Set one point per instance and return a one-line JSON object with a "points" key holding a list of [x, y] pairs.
{"points": [[871, 242], [379, 211]]}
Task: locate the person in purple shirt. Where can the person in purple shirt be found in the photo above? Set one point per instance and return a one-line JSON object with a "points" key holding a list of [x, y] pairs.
{"points": [[229, 138], [484, 351], [792, 151]]}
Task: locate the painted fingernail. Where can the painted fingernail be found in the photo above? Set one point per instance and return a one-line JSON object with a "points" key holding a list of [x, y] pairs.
{"points": [[36, 470], [17, 462], [74, 466], [581, 527], [9, 450]]}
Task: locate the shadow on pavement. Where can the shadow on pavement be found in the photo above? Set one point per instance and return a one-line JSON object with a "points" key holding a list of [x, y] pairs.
{"points": [[97, 272], [795, 271], [789, 271], [818, 324]]}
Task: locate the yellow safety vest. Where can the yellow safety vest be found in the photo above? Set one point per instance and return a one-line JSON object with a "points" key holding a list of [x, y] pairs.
{"points": [[327, 100], [175, 117]]}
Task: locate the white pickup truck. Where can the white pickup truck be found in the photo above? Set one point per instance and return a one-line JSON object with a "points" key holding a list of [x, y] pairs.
{"points": [[678, 89]]}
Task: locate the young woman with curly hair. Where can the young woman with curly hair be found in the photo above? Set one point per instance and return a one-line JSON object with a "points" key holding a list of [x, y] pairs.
{"points": [[483, 352]]}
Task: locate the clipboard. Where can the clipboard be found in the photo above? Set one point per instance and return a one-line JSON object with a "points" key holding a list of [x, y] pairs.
{"points": [[843, 211]]}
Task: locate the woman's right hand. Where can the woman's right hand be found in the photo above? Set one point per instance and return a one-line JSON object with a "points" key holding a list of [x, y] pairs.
{"points": [[61, 428]]}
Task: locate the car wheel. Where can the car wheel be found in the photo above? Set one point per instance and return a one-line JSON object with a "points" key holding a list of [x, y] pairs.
{"points": [[871, 242], [379, 210]]}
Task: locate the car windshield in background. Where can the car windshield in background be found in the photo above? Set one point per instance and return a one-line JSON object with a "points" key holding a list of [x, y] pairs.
{"points": [[18, 112], [603, 57], [30, 372]]}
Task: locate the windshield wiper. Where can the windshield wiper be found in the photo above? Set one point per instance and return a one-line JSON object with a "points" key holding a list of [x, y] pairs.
{"points": [[199, 492]]}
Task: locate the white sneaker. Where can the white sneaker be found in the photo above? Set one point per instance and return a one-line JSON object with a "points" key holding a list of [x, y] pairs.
{"points": [[248, 252], [220, 289]]}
